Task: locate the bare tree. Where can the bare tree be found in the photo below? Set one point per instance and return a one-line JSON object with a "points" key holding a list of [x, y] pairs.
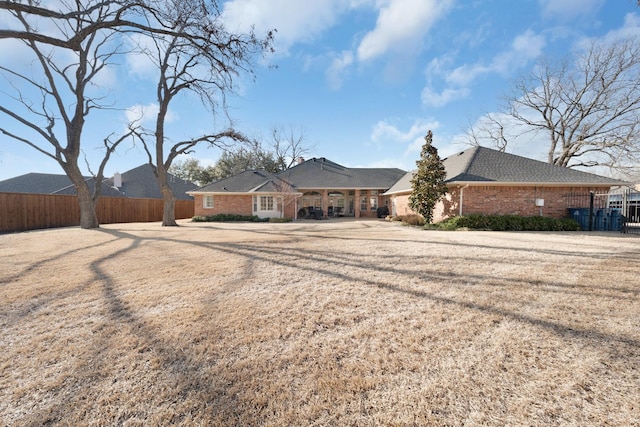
{"points": [[203, 58], [71, 43], [488, 131], [48, 103], [288, 146], [589, 109]]}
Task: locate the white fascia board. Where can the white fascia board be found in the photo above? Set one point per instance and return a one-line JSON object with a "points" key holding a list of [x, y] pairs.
{"points": [[528, 184]]}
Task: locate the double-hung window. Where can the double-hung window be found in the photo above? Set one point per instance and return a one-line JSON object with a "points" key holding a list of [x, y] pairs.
{"points": [[266, 203], [363, 200], [373, 200], [207, 201]]}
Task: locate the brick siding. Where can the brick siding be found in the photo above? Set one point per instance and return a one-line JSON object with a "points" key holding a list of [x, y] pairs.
{"points": [[500, 200], [237, 205], [225, 204]]}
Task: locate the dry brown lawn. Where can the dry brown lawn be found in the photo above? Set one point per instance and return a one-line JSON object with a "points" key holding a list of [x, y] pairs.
{"points": [[318, 323]]}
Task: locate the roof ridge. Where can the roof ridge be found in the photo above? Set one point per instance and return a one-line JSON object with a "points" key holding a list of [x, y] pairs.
{"points": [[472, 157]]}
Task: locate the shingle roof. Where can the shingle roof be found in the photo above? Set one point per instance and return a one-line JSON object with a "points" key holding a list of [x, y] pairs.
{"points": [[35, 183], [485, 165], [323, 173], [402, 185], [46, 183], [251, 181], [139, 182]]}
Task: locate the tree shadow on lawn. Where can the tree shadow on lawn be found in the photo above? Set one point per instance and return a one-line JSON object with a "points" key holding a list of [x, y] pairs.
{"points": [[296, 260], [322, 234], [46, 296], [181, 371], [348, 259]]}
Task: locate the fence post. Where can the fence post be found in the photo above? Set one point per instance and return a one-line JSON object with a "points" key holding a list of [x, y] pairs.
{"points": [[591, 197]]}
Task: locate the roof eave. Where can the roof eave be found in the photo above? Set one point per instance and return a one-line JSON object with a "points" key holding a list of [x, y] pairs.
{"points": [[529, 184], [240, 193]]}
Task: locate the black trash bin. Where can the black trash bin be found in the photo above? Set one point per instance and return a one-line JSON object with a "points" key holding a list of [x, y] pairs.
{"points": [[317, 214], [383, 211]]}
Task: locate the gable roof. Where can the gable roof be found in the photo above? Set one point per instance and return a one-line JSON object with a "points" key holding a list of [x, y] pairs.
{"points": [[139, 182], [251, 181], [323, 173], [485, 166], [47, 183], [311, 174], [35, 183]]}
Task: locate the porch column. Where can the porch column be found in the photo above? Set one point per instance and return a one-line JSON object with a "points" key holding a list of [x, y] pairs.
{"points": [[325, 203], [356, 203]]}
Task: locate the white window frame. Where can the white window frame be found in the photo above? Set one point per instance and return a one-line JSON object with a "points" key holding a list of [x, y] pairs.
{"points": [[207, 201], [267, 203], [363, 200]]}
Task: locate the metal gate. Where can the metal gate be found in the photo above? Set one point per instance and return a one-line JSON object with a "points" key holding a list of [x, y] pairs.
{"points": [[616, 211], [628, 202]]}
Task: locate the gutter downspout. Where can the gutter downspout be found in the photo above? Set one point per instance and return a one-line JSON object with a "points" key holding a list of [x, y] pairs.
{"points": [[461, 198]]}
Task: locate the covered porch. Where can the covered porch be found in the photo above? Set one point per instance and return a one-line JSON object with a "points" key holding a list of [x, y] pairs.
{"points": [[336, 203]]}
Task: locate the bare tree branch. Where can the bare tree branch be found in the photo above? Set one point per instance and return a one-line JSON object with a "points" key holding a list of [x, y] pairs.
{"points": [[588, 108]]}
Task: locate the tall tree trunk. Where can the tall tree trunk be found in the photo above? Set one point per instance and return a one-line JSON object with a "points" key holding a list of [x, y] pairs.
{"points": [[88, 216], [169, 212], [168, 199]]}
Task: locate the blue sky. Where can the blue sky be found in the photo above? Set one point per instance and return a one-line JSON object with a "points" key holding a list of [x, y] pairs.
{"points": [[363, 79]]}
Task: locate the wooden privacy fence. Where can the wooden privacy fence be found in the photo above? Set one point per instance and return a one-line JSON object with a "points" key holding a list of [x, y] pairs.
{"points": [[21, 212]]}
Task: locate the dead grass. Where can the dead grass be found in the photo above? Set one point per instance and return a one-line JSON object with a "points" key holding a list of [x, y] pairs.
{"points": [[318, 323]]}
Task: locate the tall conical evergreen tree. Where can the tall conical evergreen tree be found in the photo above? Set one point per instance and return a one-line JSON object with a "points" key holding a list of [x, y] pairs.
{"points": [[428, 182]]}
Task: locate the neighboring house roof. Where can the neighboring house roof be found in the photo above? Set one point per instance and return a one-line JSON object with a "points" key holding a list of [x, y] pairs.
{"points": [[485, 166], [46, 183], [142, 183], [35, 183], [323, 173], [136, 183], [251, 181]]}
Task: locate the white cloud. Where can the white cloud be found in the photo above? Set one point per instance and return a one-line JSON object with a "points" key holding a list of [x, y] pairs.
{"points": [[521, 140], [413, 138], [564, 10], [630, 29], [400, 24], [466, 74], [146, 114], [295, 21], [383, 131], [141, 64], [524, 48], [434, 99], [337, 69]]}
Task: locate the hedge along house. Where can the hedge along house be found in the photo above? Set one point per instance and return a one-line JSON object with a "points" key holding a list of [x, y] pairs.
{"points": [[490, 182], [317, 185]]}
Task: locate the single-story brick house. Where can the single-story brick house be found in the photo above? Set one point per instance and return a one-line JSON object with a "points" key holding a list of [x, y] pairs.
{"points": [[480, 180], [490, 182], [315, 187]]}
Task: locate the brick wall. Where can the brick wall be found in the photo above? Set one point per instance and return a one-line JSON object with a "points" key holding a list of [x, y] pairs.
{"points": [[401, 202], [520, 201], [238, 205], [225, 204], [500, 200]]}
